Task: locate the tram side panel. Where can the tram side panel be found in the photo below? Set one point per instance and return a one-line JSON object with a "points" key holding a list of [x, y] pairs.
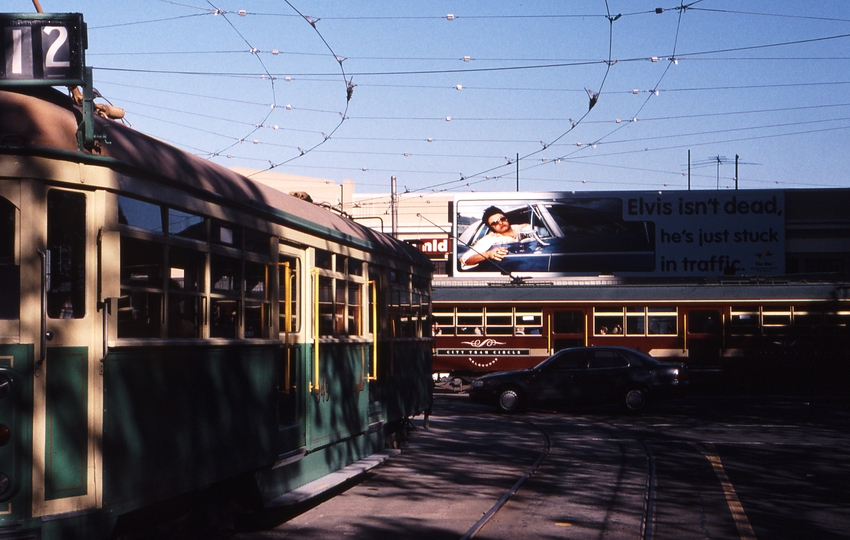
{"points": [[180, 417]]}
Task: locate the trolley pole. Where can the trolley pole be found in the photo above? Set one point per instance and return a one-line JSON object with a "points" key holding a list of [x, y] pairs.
{"points": [[517, 172]]}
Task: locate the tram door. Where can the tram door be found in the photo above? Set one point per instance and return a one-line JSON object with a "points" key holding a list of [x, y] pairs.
{"points": [[704, 335], [567, 328], [67, 383], [15, 364]]}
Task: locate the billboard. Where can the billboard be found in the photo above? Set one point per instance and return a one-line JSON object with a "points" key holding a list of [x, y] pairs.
{"points": [[650, 234]]}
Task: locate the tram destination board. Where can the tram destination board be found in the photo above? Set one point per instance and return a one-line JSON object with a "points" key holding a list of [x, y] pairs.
{"points": [[43, 49]]}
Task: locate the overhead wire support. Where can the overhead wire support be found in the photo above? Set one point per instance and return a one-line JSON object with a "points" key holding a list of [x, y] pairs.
{"points": [[593, 98], [348, 85], [653, 93]]}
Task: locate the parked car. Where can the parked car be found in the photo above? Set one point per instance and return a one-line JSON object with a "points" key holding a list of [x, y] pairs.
{"points": [[571, 236], [583, 375]]}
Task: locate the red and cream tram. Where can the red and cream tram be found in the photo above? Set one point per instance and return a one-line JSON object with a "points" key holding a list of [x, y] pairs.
{"points": [[501, 327]]}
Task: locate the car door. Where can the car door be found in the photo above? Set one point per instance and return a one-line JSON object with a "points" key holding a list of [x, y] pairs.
{"points": [[606, 375], [560, 379]]}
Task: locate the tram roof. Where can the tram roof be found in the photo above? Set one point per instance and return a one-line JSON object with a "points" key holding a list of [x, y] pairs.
{"points": [[44, 122], [543, 293]]}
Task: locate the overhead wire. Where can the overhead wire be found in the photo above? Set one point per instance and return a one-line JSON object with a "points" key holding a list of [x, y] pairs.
{"points": [[555, 141]]}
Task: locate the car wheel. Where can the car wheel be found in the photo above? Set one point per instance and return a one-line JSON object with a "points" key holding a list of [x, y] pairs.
{"points": [[510, 400], [635, 399]]}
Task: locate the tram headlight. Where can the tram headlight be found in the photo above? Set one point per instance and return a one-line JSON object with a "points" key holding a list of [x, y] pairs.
{"points": [[5, 435], [5, 484]]}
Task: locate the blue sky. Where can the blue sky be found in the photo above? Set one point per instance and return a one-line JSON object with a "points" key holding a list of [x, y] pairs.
{"points": [[446, 95]]}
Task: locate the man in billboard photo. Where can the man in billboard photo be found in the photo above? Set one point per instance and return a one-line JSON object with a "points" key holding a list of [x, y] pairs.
{"points": [[491, 245]]}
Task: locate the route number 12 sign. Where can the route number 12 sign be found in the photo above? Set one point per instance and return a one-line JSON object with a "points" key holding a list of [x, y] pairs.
{"points": [[43, 49]]}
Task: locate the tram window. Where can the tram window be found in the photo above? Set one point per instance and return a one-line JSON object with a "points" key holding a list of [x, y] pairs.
{"points": [[226, 234], [256, 275], [837, 319], [256, 319], [287, 386], [776, 320], [324, 259], [186, 269], [354, 309], [256, 306], [141, 263], [662, 320], [420, 282], [340, 301], [257, 242], [661, 325], [424, 314], [140, 305], [66, 247], [406, 314], [326, 305], [10, 274], [809, 319], [635, 324], [416, 314], [499, 322], [528, 321], [470, 321], [288, 282], [8, 231], [139, 314], [183, 315], [339, 309], [225, 321], [568, 322], [139, 214], [444, 324], [355, 267], [744, 320], [704, 321], [225, 273], [186, 225], [608, 320]]}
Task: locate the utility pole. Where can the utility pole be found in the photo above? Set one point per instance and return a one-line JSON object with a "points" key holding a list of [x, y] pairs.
{"points": [[736, 172], [394, 207], [517, 172]]}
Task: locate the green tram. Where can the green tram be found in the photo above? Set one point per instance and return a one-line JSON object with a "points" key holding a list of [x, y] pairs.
{"points": [[168, 327]]}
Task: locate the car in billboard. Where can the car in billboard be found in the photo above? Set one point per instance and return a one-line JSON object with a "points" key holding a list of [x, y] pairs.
{"points": [[583, 235]]}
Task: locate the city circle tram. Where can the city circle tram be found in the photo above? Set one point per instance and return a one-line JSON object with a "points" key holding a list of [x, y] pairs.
{"points": [[168, 326]]}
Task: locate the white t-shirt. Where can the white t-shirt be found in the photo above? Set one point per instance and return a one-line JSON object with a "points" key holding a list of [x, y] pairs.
{"points": [[486, 242]]}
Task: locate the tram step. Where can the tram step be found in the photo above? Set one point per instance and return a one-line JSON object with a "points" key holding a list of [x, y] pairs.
{"points": [[317, 487]]}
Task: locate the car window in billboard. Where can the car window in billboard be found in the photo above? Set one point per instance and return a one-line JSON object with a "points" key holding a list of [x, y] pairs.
{"points": [[630, 234]]}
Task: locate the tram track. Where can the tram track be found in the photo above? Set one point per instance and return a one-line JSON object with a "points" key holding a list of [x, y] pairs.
{"points": [[647, 514], [504, 499]]}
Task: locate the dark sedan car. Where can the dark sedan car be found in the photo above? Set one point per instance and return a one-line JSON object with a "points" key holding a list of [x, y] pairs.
{"points": [[582, 375]]}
